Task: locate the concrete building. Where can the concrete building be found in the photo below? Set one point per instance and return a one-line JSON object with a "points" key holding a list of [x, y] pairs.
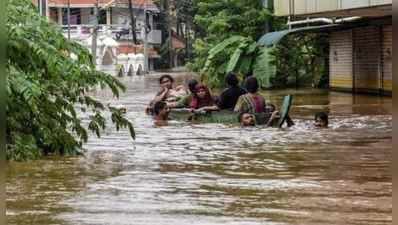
{"points": [[113, 23], [360, 39]]}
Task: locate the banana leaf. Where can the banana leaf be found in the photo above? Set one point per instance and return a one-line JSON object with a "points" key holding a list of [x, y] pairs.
{"points": [[264, 68]]}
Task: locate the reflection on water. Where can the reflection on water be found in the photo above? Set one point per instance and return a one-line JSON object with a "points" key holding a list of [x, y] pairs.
{"points": [[219, 174]]}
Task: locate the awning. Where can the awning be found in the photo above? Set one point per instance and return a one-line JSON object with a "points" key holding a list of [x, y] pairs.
{"points": [[273, 38]]}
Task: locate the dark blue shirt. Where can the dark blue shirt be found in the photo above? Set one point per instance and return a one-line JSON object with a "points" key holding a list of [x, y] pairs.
{"points": [[229, 97]]}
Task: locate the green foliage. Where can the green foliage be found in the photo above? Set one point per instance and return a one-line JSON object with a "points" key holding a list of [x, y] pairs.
{"points": [[221, 48], [179, 17], [45, 86], [186, 10], [225, 41], [301, 60], [231, 28], [264, 67], [225, 18], [201, 52], [233, 54], [298, 60]]}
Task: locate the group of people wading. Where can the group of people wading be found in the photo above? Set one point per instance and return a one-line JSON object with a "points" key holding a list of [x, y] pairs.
{"points": [[244, 100]]}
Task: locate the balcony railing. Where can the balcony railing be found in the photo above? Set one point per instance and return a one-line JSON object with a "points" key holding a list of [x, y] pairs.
{"points": [[118, 32]]}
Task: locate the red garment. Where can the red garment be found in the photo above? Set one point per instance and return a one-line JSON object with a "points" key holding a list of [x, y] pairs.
{"points": [[259, 104], [198, 103]]}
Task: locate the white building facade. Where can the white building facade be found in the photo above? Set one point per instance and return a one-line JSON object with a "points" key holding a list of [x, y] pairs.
{"points": [[114, 36]]}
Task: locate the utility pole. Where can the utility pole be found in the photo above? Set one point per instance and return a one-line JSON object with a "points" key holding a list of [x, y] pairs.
{"points": [[187, 36], [95, 34], [145, 30], [169, 21], [68, 19], [39, 7], [132, 20]]}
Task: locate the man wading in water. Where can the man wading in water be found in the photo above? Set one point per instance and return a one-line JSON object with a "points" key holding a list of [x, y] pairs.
{"points": [[161, 114], [247, 120]]}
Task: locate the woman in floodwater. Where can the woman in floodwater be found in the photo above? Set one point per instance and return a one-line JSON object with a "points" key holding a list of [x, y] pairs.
{"points": [[252, 102], [168, 93], [202, 100], [185, 101]]}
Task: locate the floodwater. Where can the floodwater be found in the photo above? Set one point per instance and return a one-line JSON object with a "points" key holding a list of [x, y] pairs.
{"points": [[219, 174]]}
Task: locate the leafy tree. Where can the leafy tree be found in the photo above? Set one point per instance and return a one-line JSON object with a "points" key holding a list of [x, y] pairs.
{"points": [[49, 79], [236, 53], [301, 60], [186, 11], [225, 18], [231, 26], [173, 15], [228, 43]]}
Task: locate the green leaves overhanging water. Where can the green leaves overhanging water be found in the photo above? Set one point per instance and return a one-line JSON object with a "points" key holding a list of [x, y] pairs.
{"points": [[44, 86]]}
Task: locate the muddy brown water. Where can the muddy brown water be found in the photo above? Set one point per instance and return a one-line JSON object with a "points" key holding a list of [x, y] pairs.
{"points": [[219, 174]]}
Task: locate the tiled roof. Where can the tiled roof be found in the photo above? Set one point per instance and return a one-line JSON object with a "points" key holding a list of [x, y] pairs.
{"points": [[128, 48], [178, 44]]}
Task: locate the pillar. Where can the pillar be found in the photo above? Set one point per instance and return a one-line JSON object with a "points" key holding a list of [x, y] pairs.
{"points": [[59, 16], [108, 17], [47, 9]]}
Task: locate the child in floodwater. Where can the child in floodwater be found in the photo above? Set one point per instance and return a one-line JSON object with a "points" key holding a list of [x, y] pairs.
{"points": [[321, 120], [161, 113]]}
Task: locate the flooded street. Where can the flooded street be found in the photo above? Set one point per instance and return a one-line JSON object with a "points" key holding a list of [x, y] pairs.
{"points": [[219, 174]]}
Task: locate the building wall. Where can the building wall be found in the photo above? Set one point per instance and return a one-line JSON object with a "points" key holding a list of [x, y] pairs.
{"points": [[282, 7], [121, 16], [341, 70], [360, 59], [303, 7]]}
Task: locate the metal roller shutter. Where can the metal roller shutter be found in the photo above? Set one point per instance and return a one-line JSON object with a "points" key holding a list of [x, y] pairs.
{"points": [[367, 59], [341, 60], [387, 58]]}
